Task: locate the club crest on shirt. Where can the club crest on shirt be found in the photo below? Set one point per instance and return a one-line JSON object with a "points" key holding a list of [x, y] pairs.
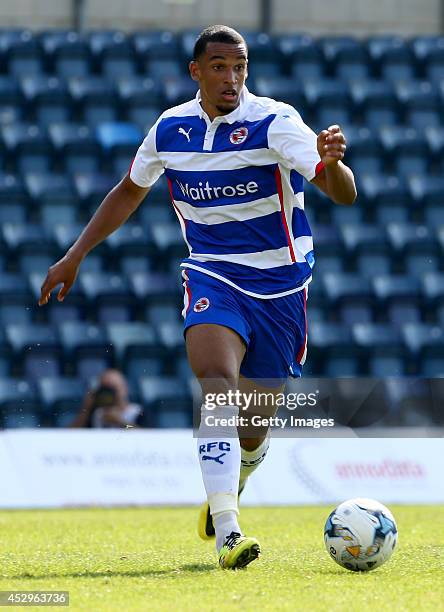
{"points": [[239, 135], [201, 304]]}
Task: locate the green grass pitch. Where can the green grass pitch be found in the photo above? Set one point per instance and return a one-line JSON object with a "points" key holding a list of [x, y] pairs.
{"points": [[152, 559]]}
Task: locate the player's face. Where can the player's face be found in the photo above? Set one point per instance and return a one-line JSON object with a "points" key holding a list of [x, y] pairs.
{"points": [[221, 72]]}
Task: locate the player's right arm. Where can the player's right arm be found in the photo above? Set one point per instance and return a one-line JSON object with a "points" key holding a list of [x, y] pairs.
{"points": [[115, 209]]}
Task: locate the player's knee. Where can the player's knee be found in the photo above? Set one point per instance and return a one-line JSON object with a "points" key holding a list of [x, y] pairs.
{"points": [[215, 378], [251, 444]]}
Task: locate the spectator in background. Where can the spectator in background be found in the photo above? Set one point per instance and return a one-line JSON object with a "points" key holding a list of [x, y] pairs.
{"points": [[107, 405]]}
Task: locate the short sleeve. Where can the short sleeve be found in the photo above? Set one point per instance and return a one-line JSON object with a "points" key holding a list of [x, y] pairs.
{"points": [[147, 167], [294, 143]]}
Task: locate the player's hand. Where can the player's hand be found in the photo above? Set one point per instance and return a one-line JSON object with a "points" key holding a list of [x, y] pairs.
{"points": [[63, 271], [331, 145]]}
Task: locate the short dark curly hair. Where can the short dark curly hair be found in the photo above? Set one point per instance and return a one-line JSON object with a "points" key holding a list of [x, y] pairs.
{"points": [[216, 33]]}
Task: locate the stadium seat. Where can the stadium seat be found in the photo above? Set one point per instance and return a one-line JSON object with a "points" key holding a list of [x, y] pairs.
{"points": [[92, 187], [36, 348], [420, 102], [13, 288], [382, 190], [29, 238], [21, 53], [131, 340], [111, 45], [53, 214], [161, 70], [426, 346], [398, 297], [168, 239], [154, 287], [67, 53], [155, 44], [179, 90], [429, 55], [165, 400], [50, 188], [383, 348], [18, 404], [134, 263], [48, 98], [94, 98], [330, 342], [407, 238], [347, 288], [346, 56], [282, 88], [369, 265], [87, 350], [139, 93], [130, 239], [76, 146], [427, 191], [27, 147], [392, 57], [61, 399], [358, 238]]}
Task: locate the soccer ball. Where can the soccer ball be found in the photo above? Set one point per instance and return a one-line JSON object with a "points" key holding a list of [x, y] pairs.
{"points": [[360, 534]]}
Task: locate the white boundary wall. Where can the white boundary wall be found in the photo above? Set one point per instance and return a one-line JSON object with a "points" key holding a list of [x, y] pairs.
{"points": [[59, 468], [318, 16]]}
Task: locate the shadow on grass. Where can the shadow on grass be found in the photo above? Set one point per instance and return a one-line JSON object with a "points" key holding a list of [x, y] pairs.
{"points": [[190, 568]]}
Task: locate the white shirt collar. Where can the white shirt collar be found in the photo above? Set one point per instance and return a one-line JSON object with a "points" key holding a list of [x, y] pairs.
{"points": [[236, 115]]}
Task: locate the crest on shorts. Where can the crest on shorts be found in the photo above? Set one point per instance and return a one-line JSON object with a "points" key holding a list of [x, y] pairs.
{"points": [[201, 304], [239, 135]]}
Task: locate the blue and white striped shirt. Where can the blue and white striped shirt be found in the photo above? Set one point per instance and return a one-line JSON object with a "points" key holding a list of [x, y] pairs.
{"points": [[236, 184]]}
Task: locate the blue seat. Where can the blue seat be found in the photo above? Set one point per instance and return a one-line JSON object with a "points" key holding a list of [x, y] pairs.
{"points": [[34, 262], [369, 264], [156, 314], [425, 344], [10, 92], [21, 52], [325, 264], [154, 287], [330, 342], [291, 46], [164, 395], [187, 40], [179, 90], [109, 45], [346, 56], [92, 187], [139, 367], [376, 101], [364, 152], [264, 69], [327, 240], [427, 191], [409, 238], [76, 145], [14, 288], [105, 288], [130, 239], [87, 343], [398, 297], [12, 193], [396, 139], [429, 55], [168, 240], [347, 288], [50, 188], [163, 69], [61, 399], [36, 348], [134, 263], [350, 314], [119, 139], [28, 147], [138, 92], [132, 340], [379, 341], [432, 288], [364, 238], [19, 406], [155, 44], [48, 97], [28, 238], [14, 313], [420, 102], [118, 67], [67, 52], [12, 213], [282, 88], [261, 46], [382, 190], [93, 97], [391, 56]]}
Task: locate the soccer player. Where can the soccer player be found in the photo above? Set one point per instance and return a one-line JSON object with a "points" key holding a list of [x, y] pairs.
{"points": [[235, 165]]}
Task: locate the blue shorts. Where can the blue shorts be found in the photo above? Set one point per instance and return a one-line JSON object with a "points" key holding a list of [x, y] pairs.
{"points": [[274, 330]]}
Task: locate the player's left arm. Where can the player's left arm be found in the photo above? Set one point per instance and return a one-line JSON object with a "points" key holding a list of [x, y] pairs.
{"points": [[336, 179]]}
